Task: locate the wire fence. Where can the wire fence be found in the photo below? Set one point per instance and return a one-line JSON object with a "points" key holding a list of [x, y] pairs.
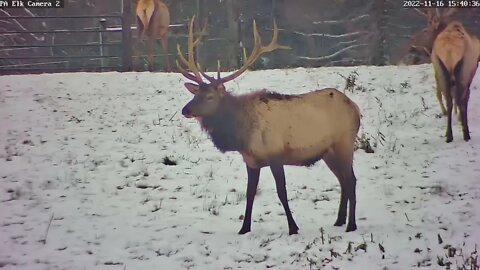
{"points": [[319, 33]]}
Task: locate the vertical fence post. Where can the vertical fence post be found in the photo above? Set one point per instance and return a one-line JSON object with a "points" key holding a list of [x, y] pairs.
{"points": [[102, 27], [239, 56], [201, 51], [126, 36]]}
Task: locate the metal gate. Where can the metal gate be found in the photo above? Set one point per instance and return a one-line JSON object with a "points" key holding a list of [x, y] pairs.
{"points": [[99, 48]]}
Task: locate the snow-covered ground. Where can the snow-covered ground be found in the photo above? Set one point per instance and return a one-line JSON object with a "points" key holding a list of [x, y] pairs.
{"points": [[101, 171]]}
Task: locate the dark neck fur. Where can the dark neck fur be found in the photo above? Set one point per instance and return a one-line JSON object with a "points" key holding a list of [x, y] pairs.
{"points": [[229, 125]]}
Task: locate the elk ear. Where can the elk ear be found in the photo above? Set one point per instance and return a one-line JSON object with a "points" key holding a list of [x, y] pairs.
{"points": [[193, 88]]}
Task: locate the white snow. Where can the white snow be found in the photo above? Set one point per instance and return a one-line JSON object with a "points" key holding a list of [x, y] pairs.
{"points": [[86, 150]]}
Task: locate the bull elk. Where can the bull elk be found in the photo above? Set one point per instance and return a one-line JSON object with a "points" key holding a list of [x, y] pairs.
{"points": [[421, 43], [455, 57], [272, 129], [153, 19]]}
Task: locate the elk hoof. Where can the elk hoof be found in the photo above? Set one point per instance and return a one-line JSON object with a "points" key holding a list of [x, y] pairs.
{"points": [[351, 227], [466, 137], [449, 139], [290, 232], [339, 223], [244, 230], [293, 230]]}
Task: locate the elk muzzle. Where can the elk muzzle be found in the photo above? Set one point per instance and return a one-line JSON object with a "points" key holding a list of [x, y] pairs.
{"points": [[187, 112]]}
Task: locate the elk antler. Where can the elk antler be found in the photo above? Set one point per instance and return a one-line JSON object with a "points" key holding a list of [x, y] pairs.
{"points": [[197, 70], [449, 12], [421, 12], [196, 76], [439, 15], [256, 52]]}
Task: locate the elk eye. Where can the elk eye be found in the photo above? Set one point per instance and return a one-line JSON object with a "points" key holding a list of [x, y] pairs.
{"points": [[209, 98]]}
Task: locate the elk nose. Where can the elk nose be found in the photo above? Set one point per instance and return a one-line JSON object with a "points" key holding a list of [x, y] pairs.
{"points": [[186, 112]]}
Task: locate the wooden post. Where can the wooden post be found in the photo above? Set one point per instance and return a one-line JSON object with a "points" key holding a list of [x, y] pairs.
{"points": [[126, 36], [102, 27], [239, 56], [201, 51], [234, 35]]}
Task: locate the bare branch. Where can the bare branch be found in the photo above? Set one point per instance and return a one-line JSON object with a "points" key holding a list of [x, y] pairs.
{"points": [[38, 38], [326, 57], [331, 35], [343, 21]]}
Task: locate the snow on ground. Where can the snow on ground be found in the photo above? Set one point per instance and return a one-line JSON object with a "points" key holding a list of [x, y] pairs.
{"points": [[87, 180]]}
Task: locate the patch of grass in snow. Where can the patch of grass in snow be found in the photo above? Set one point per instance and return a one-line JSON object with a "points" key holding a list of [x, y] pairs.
{"points": [[213, 206], [169, 161]]}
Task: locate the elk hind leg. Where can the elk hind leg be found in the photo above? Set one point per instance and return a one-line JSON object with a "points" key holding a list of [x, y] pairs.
{"points": [[279, 175], [464, 118], [463, 95], [253, 176], [335, 167], [150, 52], [341, 165]]}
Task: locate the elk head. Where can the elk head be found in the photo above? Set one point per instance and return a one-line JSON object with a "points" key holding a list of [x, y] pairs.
{"points": [[209, 96], [421, 43]]}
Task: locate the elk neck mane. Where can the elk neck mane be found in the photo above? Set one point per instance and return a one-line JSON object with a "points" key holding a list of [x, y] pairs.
{"points": [[230, 127]]}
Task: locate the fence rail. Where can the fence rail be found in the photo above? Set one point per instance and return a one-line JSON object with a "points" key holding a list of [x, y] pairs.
{"points": [[61, 45], [95, 48], [317, 34]]}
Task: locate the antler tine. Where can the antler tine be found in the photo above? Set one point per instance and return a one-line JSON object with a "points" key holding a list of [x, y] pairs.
{"points": [[274, 44], [190, 63], [449, 12], [421, 12], [191, 45], [200, 34], [209, 78], [258, 50]]}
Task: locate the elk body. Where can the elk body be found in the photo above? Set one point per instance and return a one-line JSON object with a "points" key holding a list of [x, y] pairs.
{"points": [[153, 19], [455, 57], [271, 129]]}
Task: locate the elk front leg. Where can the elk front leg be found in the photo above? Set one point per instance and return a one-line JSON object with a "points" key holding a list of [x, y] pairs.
{"points": [[279, 175], [137, 52], [440, 101], [449, 134], [440, 85], [253, 176], [150, 52]]}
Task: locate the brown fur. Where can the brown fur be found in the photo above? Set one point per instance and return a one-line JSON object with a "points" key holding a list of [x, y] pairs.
{"points": [[153, 19], [455, 58], [477, 41]]}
